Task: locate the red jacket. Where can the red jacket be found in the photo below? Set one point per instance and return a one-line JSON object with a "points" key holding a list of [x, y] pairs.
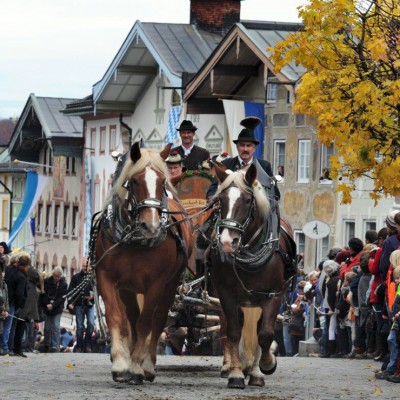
{"points": [[354, 261], [374, 270]]}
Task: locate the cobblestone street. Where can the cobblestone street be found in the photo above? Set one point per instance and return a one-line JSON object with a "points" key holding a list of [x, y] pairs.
{"points": [[88, 376]]}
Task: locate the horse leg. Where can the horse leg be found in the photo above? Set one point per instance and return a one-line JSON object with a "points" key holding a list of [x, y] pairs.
{"points": [[231, 310], [119, 328], [250, 351], [268, 361], [148, 306], [226, 362], [158, 325]]}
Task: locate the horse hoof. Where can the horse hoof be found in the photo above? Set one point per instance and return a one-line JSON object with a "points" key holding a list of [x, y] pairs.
{"points": [[121, 377], [224, 373], [270, 371], [136, 379], [256, 381], [236, 383], [149, 377]]}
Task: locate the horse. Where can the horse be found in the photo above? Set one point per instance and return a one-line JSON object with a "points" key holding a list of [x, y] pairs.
{"points": [[251, 262], [139, 256]]}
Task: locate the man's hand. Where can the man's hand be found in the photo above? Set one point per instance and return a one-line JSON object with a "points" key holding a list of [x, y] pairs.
{"points": [[49, 306], [71, 306]]}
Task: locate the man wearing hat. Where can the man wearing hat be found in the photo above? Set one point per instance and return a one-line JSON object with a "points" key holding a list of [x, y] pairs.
{"points": [[192, 155], [246, 144]]}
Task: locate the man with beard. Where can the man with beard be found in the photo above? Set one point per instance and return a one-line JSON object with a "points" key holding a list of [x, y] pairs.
{"points": [[246, 145]]}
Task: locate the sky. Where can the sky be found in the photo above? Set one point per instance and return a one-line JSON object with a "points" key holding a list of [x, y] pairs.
{"points": [[58, 48]]}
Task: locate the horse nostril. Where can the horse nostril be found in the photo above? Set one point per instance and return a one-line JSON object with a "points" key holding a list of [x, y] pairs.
{"points": [[143, 226], [235, 242]]}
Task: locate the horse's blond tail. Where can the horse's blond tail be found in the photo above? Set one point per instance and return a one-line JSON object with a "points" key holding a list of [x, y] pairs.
{"points": [[249, 340]]}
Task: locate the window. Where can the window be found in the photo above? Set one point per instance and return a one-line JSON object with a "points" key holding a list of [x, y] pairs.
{"points": [[349, 231], [73, 166], [45, 160], [70, 165], [48, 211], [370, 225], [96, 197], [50, 162], [75, 221], [39, 218], [67, 162], [18, 189], [300, 240], [56, 219], [323, 247], [279, 154], [326, 153], [272, 93], [113, 138], [303, 162], [300, 120], [92, 140], [280, 120], [66, 221], [102, 139]]}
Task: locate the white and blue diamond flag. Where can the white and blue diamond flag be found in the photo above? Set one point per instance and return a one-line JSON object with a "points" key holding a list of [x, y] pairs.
{"points": [[173, 119]]}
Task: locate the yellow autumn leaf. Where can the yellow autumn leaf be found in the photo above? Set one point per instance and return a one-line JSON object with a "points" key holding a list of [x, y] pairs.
{"points": [[70, 366]]}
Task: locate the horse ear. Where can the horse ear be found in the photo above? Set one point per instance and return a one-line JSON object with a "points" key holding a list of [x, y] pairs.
{"points": [[165, 151], [135, 152], [251, 175], [220, 172]]}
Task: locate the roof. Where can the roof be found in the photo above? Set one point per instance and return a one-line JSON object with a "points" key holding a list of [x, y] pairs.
{"points": [[41, 121], [80, 107], [174, 49], [238, 59]]}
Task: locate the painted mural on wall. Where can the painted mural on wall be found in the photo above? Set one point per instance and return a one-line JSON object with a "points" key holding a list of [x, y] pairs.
{"points": [[324, 206], [293, 205], [59, 176]]}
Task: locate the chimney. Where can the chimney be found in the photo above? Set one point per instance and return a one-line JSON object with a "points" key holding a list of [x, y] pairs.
{"points": [[216, 16]]}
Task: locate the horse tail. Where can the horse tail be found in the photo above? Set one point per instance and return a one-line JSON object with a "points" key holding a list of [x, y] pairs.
{"points": [[249, 340]]}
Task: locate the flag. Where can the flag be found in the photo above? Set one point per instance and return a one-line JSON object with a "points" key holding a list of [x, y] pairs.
{"points": [[35, 184], [88, 205], [235, 111], [32, 225], [173, 119]]}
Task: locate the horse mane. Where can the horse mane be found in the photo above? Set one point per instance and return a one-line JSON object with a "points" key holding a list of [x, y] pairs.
{"points": [[149, 158], [238, 179]]}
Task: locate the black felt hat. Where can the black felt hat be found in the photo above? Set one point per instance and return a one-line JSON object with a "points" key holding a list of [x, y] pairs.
{"points": [[187, 126], [247, 134]]}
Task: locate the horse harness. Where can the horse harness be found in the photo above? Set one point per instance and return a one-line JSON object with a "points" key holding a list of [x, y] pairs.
{"points": [[253, 259]]}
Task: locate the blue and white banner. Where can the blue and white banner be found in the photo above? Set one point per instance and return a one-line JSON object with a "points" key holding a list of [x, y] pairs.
{"points": [[88, 204], [34, 187], [173, 119], [235, 111]]}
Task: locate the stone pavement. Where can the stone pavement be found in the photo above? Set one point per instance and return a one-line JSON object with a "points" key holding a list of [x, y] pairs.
{"points": [[88, 376]]}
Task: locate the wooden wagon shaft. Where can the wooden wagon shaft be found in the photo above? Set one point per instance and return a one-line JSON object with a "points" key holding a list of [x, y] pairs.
{"points": [[208, 318]]}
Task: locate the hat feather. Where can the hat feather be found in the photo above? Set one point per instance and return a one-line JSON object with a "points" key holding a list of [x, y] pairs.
{"points": [[250, 122]]}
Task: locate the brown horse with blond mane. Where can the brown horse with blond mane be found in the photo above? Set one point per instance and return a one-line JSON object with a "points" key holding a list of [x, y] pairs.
{"points": [[252, 265], [139, 258]]}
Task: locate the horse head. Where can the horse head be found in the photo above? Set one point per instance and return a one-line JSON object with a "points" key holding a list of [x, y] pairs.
{"points": [[242, 202], [144, 178]]}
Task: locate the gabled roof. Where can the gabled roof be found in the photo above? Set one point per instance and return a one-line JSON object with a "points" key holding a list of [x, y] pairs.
{"points": [[174, 49], [41, 121], [238, 58]]}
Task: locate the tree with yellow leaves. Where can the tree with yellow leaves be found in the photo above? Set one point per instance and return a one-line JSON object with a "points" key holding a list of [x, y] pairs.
{"points": [[351, 51]]}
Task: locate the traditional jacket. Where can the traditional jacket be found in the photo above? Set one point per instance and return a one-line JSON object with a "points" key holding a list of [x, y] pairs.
{"points": [[195, 158]]}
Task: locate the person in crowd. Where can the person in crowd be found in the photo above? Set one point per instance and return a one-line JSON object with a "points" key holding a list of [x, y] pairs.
{"points": [[82, 306], [4, 258], [30, 311], [395, 329], [360, 290], [174, 164], [371, 236], [192, 155], [66, 339], [17, 282], [344, 311], [4, 307], [329, 289], [377, 299], [246, 145], [356, 246], [297, 323], [55, 289]]}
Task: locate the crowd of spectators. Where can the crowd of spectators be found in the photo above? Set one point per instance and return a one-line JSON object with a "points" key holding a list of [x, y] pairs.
{"points": [[353, 298]]}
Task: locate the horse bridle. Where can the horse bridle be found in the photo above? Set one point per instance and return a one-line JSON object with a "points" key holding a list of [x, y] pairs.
{"points": [[229, 223]]}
